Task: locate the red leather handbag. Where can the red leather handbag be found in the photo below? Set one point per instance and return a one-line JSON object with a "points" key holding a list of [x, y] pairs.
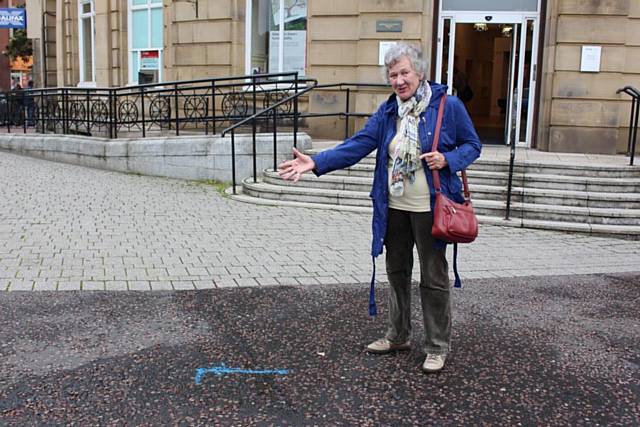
{"points": [[452, 222]]}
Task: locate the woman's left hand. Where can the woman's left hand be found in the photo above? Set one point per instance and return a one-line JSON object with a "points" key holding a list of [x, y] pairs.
{"points": [[435, 160]]}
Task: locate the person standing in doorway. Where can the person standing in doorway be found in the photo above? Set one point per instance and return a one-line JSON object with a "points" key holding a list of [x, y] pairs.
{"points": [[30, 104], [403, 194]]}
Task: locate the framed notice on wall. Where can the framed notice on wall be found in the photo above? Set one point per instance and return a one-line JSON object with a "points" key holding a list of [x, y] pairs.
{"points": [[383, 48], [590, 60], [295, 43], [149, 60]]}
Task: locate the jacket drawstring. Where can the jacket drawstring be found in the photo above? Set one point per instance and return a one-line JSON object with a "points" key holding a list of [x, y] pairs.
{"points": [[373, 310], [458, 282]]}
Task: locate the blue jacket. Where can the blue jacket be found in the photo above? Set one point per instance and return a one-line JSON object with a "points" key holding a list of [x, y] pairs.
{"points": [[459, 143]]}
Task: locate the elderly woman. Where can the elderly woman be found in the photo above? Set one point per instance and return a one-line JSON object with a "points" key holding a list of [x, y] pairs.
{"points": [[402, 131]]}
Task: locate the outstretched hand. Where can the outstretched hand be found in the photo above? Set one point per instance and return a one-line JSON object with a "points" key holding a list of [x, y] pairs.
{"points": [[293, 169]]}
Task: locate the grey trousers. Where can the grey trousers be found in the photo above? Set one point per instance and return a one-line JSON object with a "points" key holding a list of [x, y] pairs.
{"points": [[405, 229]]}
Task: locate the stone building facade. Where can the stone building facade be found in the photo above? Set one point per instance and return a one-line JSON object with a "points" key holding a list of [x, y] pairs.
{"points": [[544, 72]]}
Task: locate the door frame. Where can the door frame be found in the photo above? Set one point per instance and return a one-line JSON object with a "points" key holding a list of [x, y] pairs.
{"points": [[521, 18]]}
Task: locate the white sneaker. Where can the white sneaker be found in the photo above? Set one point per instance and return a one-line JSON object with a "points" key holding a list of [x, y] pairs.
{"points": [[383, 346], [433, 362]]}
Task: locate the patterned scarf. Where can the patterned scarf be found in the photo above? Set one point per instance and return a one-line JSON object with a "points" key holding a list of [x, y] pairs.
{"points": [[406, 157]]}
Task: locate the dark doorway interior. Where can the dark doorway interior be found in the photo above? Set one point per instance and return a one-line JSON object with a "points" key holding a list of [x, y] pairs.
{"points": [[481, 76]]}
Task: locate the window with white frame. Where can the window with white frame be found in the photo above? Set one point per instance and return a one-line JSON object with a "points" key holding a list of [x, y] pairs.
{"points": [[86, 37], [145, 41], [276, 36]]}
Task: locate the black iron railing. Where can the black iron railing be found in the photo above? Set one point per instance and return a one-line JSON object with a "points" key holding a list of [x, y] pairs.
{"points": [[633, 121], [270, 113], [151, 109], [256, 103]]}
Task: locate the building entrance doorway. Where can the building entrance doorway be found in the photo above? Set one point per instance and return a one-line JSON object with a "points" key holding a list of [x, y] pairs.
{"points": [[489, 61]]}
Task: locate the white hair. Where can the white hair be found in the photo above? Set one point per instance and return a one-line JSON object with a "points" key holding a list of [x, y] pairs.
{"points": [[411, 52]]}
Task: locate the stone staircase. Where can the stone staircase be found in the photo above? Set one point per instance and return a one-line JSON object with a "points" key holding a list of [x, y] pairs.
{"points": [[556, 195]]}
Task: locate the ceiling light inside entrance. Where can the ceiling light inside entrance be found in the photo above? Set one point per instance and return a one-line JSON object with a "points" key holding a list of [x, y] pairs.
{"points": [[480, 26]]}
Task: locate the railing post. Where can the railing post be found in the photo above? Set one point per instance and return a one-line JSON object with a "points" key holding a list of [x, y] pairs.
{"points": [[24, 112], [65, 112], [253, 124], [633, 129], [633, 120], [56, 111], [512, 158], [41, 112], [114, 118], [144, 125], [630, 138], [295, 114], [233, 160], [110, 99], [213, 106], [275, 139], [346, 117], [88, 113], [9, 112], [175, 97]]}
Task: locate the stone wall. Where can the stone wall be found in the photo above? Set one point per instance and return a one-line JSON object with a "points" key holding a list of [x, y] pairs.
{"points": [[188, 157], [344, 46], [581, 112], [204, 39]]}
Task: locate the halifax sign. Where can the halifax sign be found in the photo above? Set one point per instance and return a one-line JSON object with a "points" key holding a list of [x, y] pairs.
{"points": [[13, 18]]}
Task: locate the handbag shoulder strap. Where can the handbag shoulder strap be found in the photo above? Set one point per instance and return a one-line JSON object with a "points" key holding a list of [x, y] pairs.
{"points": [[436, 139], [434, 147]]}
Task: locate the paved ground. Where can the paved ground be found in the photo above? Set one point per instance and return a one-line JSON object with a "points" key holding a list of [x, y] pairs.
{"points": [[66, 227], [527, 351], [537, 339]]}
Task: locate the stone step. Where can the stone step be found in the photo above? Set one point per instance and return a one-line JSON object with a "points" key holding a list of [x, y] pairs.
{"points": [[529, 180], [261, 189], [483, 191], [558, 182], [519, 209], [532, 167], [578, 170], [558, 197], [627, 231]]}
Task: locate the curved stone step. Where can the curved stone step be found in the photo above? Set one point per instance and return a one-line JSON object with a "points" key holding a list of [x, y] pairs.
{"points": [[537, 167], [535, 211], [626, 200], [570, 226], [557, 197]]}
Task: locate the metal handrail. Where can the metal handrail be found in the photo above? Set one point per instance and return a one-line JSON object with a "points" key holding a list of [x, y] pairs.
{"points": [[345, 86], [272, 109], [296, 116], [633, 121]]}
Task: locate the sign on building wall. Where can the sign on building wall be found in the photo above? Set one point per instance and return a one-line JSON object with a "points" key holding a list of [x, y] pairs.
{"points": [[382, 51], [389, 26], [149, 60], [295, 43], [13, 18], [590, 59]]}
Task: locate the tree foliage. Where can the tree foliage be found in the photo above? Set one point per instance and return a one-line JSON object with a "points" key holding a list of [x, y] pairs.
{"points": [[19, 46]]}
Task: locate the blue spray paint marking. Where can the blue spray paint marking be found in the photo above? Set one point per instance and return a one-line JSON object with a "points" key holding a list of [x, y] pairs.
{"points": [[223, 370]]}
